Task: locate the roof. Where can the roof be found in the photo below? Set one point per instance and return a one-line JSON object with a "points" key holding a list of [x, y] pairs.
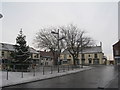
{"points": [[92, 49], [10, 47], [32, 50], [117, 44], [7, 47], [46, 54]]}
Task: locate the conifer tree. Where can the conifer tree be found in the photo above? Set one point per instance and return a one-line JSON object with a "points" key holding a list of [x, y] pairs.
{"points": [[21, 53]]}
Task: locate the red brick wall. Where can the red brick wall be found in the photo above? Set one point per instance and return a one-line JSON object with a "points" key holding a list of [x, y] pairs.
{"points": [[116, 49]]}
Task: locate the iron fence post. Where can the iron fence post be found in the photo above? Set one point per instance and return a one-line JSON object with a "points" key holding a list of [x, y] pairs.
{"points": [[22, 73], [51, 70], [43, 70], [34, 72], [7, 73], [68, 67]]}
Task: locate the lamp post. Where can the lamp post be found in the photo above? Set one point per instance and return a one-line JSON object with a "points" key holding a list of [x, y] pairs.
{"points": [[58, 46], [81, 52], [58, 39], [1, 15]]}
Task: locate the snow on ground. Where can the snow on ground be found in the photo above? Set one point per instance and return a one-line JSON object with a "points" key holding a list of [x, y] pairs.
{"points": [[16, 77]]}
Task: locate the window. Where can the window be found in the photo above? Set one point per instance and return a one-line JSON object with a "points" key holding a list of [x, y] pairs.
{"points": [[96, 61], [69, 55], [89, 55], [0, 61], [83, 55], [90, 61], [31, 56], [46, 63], [95, 56], [64, 62], [2, 53], [37, 56]]}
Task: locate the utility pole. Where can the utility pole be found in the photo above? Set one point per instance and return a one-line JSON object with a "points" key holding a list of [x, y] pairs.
{"points": [[58, 51], [58, 39], [81, 55]]}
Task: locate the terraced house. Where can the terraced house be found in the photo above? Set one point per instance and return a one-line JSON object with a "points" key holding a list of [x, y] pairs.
{"points": [[46, 58], [116, 52], [90, 55], [7, 49]]}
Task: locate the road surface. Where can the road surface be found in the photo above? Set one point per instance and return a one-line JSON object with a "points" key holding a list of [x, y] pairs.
{"points": [[99, 77]]}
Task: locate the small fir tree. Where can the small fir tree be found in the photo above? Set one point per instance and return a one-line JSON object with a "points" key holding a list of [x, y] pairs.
{"points": [[22, 52]]}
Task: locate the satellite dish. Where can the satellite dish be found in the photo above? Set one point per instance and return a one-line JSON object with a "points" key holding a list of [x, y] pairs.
{"points": [[1, 15]]}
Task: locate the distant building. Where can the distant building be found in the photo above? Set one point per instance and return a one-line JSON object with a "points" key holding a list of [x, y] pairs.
{"points": [[90, 55], [7, 49], [116, 52], [46, 58], [35, 56], [110, 62]]}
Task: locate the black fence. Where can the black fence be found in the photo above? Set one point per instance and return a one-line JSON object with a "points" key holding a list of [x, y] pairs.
{"points": [[43, 70]]}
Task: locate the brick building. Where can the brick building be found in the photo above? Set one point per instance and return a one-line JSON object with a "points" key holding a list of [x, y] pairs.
{"points": [[46, 58], [116, 52]]}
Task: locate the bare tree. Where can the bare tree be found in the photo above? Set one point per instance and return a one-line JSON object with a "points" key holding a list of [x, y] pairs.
{"points": [[75, 40], [46, 40]]}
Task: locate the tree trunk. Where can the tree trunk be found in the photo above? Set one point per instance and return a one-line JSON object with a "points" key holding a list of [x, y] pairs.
{"points": [[74, 61], [75, 58], [54, 58]]}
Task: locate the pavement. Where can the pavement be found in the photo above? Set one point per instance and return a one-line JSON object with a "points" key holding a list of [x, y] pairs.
{"points": [[15, 78], [115, 83]]}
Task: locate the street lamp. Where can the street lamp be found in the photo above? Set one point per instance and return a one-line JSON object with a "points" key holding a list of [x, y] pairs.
{"points": [[58, 39], [81, 52], [58, 46], [1, 15]]}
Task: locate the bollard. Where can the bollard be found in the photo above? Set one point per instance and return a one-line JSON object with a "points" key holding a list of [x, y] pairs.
{"points": [[63, 69], [43, 70], [34, 72], [81, 65], [22, 73], [72, 67], [51, 70], [58, 68], [68, 67], [7, 74]]}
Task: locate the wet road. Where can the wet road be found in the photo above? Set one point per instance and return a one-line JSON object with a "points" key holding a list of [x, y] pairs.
{"points": [[100, 76]]}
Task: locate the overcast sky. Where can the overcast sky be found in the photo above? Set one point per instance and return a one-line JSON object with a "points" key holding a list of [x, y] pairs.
{"points": [[99, 19]]}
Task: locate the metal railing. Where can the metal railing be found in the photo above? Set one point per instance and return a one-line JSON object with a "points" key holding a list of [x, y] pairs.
{"points": [[42, 70]]}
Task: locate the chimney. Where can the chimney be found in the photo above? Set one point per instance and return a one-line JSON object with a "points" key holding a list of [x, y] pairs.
{"points": [[101, 44], [44, 50]]}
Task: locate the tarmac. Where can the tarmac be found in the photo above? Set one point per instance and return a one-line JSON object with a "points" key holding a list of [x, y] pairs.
{"points": [[15, 78]]}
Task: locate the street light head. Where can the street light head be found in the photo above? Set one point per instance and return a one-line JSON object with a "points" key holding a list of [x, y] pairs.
{"points": [[1, 15], [53, 32], [62, 38]]}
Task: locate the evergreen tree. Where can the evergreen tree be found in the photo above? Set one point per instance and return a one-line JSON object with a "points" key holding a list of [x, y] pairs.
{"points": [[22, 52]]}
